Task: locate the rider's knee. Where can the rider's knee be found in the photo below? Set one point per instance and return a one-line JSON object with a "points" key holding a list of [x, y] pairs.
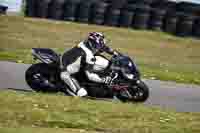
{"points": [[65, 75]]}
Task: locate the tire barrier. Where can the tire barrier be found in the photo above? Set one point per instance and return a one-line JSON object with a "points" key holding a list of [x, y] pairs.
{"points": [[112, 18], [42, 8], [70, 10], [98, 13], [83, 12], [126, 18], [162, 15], [157, 19], [184, 24], [170, 22], [141, 16], [56, 9]]}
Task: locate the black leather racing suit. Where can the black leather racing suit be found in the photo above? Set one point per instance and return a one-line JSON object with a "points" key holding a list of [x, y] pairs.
{"points": [[72, 61]]}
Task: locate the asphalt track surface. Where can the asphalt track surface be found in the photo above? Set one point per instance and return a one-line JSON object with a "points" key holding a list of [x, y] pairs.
{"points": [[167, 95]]}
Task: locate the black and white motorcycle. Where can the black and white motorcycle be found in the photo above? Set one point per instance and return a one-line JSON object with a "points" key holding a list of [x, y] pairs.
{"points": [[126, 84]]}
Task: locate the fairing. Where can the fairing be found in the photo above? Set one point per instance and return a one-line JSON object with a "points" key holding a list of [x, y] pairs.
{"points": [[127, 67], [45, 55]]}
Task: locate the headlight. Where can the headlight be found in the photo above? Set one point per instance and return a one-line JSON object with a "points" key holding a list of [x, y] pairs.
{"points": [[129, 76], [127, 73]]}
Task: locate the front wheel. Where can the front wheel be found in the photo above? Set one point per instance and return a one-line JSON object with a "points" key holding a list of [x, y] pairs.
{"points": [[139, 92]]}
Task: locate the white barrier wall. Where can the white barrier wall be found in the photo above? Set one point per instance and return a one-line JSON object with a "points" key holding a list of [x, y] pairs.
{"points": [[13, 5]]}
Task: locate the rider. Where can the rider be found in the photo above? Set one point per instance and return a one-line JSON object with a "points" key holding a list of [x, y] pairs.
{"points": [[83, 55]]}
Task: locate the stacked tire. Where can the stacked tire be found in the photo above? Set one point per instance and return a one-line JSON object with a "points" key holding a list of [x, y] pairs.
{"points": [[31, 8], [142, 15], [162, 16], [83, 11], [70, 10], [98, 12], [126, 18], [112, 18], [157, 19], [113, 13], [42, 8], [56, 9], [196, 27], [184, 24], [170, 22]]}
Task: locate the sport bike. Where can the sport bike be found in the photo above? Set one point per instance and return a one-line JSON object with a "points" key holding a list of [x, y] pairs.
{"points": [[126, 84]]}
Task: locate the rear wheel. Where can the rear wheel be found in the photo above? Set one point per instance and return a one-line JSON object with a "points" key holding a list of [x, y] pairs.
{"points": [[41, 77]]}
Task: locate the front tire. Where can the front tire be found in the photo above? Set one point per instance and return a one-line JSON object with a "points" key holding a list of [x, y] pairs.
{"points": [[139, 92]]}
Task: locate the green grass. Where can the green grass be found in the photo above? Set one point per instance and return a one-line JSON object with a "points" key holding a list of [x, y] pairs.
{"points": [[43, 130], [36, 112], [158, 54]]}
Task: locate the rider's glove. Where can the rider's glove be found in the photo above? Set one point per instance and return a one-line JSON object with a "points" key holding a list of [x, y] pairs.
{"points": [[107, 80], [115, 53]]}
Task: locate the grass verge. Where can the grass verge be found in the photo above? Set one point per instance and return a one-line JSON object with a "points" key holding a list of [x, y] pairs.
{"points": [[159, 55], [37, 112]]}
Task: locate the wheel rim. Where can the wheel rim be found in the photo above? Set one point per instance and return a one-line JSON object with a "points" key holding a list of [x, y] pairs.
{"points": [[138, 94], [36, 79]]}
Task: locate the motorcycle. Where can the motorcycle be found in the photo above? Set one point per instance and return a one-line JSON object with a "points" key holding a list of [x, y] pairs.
{"points": [[126, 84]]}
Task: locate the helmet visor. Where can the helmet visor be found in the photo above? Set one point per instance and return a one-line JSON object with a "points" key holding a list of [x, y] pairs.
{"points": [[101, 44]]}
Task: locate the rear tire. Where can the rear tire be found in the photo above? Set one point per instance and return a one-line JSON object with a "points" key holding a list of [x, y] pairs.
{"points": [[38, 84]]}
